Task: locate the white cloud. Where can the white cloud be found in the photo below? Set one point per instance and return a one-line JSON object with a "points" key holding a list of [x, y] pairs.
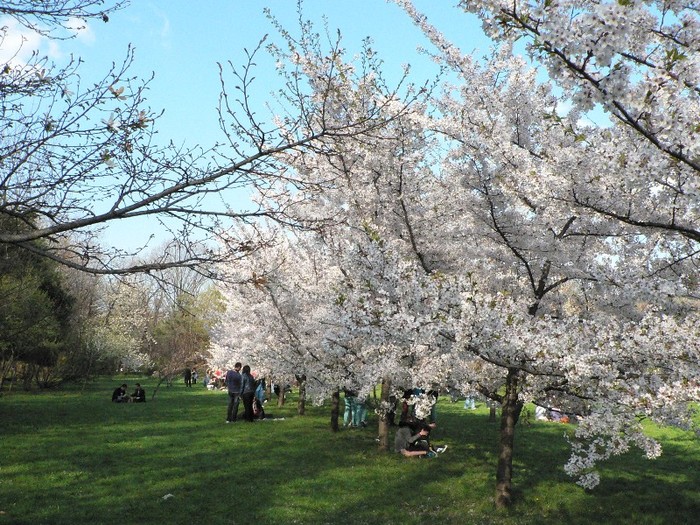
{"points": [[165, 28], [163, 31], [18, 43], [54, 50], [83, 30]]}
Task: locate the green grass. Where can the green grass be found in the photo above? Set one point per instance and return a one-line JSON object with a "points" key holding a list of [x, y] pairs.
{"points": [[72, 457]]}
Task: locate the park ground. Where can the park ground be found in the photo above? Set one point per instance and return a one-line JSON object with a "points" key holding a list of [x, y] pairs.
{"points": [[70, 456]]}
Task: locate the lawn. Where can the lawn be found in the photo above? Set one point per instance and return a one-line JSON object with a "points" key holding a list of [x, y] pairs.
{"points": [[71, 456]]}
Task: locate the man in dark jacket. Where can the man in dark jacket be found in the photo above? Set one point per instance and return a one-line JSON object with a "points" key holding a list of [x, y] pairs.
{"points": [[233, 382], [119, 395], [139, 395]]}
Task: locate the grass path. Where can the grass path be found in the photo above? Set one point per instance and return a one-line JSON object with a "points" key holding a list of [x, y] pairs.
{"points": [[72, 457]]}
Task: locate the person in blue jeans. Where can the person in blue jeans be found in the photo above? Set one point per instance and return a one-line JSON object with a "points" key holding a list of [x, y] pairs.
{"points": [[470, 403], [349, 407], [359, 413]]}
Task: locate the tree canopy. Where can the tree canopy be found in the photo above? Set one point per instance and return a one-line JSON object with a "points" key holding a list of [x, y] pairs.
{"points": [[490, 241]]}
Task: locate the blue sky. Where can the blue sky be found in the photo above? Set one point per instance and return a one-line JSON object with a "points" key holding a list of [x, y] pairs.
{"points": [[181, 41]]}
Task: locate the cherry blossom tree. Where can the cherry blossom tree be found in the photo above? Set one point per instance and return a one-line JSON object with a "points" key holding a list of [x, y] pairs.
{"points": [[276, 302], [614, 260], [452, 249], [638, 61]]}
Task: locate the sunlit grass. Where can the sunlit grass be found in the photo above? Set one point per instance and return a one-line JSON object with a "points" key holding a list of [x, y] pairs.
{"points": [[73, 457]]}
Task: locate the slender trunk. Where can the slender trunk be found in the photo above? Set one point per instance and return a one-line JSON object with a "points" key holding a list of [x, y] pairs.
{"points": [[280, 397], [301, 403], [335, 410], [8, 365], [268, 388], [510, 412], [155, 390], [44, 375], [14, 377], [86, 373], [383, 432], [492, 413], [85, 378], [28, 377]]}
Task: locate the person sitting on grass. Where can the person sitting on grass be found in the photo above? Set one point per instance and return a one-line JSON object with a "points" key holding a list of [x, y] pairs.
{"points": [[139, 395], [414, 440], [119, 395]]}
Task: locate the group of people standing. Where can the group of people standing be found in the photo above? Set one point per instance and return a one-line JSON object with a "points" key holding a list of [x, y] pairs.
{"points": [[241, 385]]}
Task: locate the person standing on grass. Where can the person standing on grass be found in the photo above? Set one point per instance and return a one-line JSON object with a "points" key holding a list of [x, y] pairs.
{"points": [[195, 376], [350, 396], [188, 377], [359, 413], [233, 383], [247, 393], [260, 391]]}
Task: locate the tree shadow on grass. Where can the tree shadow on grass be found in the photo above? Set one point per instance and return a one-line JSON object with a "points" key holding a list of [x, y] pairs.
{"points": [[173, 460], [632, 490]]}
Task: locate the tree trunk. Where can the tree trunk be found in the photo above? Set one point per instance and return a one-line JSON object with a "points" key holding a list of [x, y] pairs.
{"points": [[335, 410], [492, 413], [8, 365], [14, 376], [383, 432], [281, 395], [86, 372], [155, 390], [28, 377], [510, 412], [44, 376], [301, 403]]}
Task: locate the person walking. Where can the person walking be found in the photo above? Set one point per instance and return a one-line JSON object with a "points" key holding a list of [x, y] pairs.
{"points": [[233, 383], [247, 393]]}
